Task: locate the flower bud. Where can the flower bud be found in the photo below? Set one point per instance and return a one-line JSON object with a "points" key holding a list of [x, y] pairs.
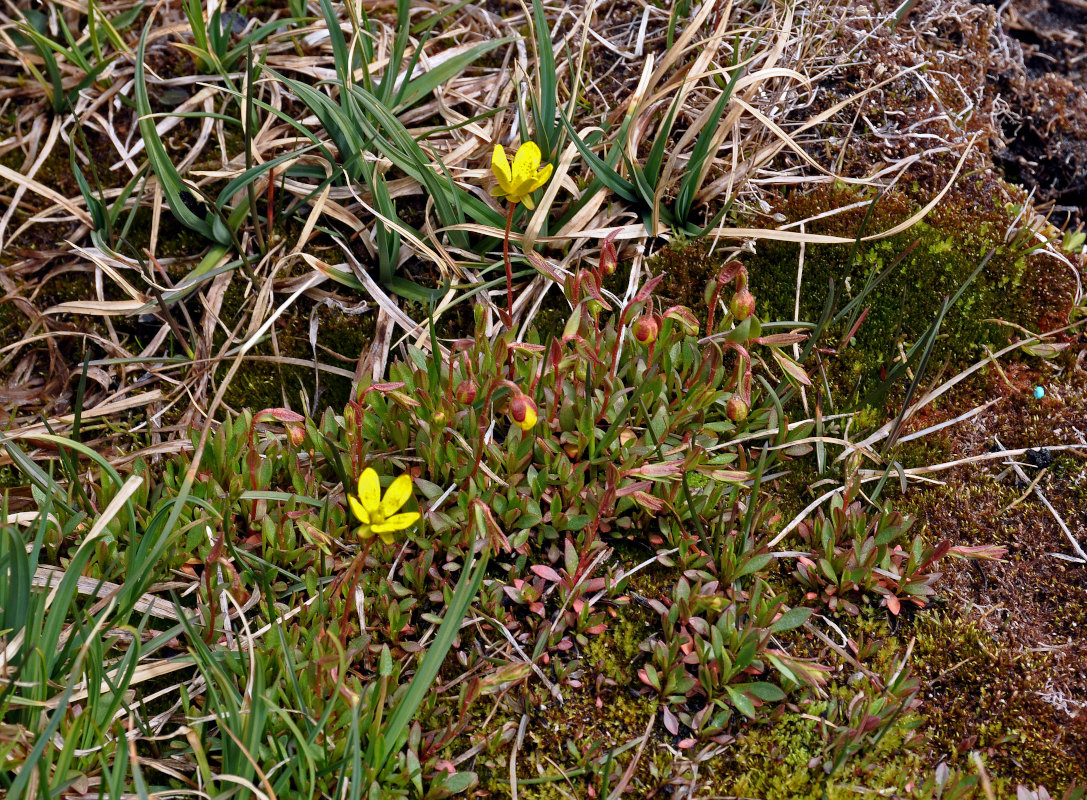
{"points": [[645, 329], [523, 411], [742, 305], [736, 410], [297, 434], [609, 257], [465, 392], [439, 419]]}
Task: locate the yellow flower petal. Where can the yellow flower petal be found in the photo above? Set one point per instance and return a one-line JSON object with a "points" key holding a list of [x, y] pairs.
{"points": [[397, 522], [500, 166], [365, 532], [529, 202], [541, 177], [387, 536], [370, 490], [361, 513], [396, 495], [525, 164], [528, 422]]}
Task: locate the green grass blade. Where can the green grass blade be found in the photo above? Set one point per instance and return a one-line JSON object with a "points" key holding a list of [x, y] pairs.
{"points": [[467, 587], [603, 171], [700, 154], [413, 91], [547, 130], [156, 151]]}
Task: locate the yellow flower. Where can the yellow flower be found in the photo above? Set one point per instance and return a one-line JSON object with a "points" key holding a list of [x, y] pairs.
{"points": [[378, 514], [523, 412], [518, 182]]}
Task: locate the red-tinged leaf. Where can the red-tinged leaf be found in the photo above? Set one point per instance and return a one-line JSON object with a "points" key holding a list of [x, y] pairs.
{"points": [[938, 552], [595, 584], [649, 502], [546, 572], [729, 271], [791, 367], [1045, 349], [671, 723], [526, 347], [779, 339], [981, 552], [544, 268], [647, 288], [383, 388], [730, 475], [537, 608], [596, 630], [630, 488], [662, 469], [404, 400], [893, 604], [278, 414], [683, 317], [687, 744]]}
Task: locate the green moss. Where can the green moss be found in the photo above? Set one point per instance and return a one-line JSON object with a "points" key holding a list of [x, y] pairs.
{"points": [[935, 257], [174, 239], [341, 340], [602, 711]]}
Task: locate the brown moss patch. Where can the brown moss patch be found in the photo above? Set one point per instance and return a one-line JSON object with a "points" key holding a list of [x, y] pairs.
{"points": [[1004, 664]]}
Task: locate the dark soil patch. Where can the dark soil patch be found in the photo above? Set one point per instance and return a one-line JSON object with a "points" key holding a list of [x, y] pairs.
{"points": [[1047, 136]]}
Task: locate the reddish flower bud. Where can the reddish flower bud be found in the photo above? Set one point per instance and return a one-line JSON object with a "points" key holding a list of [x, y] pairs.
{"points": [[466, 392], [742, 305], [523, 411], [736, 410], [297, 434], [609, 257], [645, 329]]}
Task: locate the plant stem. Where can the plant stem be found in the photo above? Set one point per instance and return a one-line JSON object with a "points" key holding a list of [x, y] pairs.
{"points": [[509, 287], [509, 268]]}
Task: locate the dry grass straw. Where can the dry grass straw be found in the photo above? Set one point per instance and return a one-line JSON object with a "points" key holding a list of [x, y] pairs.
{"points": [[618, 60]]}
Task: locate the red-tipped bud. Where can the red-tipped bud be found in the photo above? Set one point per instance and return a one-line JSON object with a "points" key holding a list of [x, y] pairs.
{"points": [[645, 329], [742, 305], [683, 317], [439, 419], [736, 410], [466, 392], [523, 411], [297, 434], [609, 257]]}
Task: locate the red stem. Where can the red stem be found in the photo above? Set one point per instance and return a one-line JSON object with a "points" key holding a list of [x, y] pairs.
{"points": [[509, 268], [509, 286]]}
